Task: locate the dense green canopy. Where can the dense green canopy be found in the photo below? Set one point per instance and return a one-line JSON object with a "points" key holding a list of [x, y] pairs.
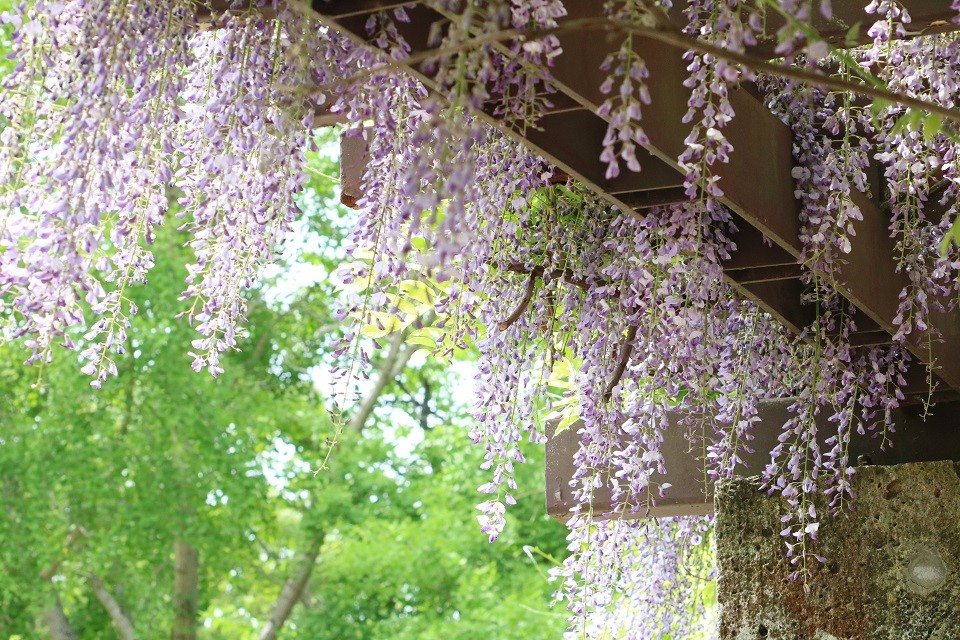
{"points": [[97, 486]]}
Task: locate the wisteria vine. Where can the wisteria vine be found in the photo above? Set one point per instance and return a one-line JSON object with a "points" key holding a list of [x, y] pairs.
{"points": [[618, 324]]}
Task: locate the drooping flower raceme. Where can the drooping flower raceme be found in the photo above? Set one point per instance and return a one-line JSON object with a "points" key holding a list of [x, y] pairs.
{"points": [[243, 142], [721, 22], [87, 156], [98, 134], [618, 324], [646, 578]]}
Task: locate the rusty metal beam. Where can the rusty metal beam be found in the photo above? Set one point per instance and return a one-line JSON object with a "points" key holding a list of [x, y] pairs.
{"points": [[570, 137], [755, 250], [928, 17], [573, 140], [759, 187], [757, 182], [915, 440]]}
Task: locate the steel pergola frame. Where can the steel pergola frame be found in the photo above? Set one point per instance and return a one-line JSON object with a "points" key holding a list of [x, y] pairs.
{"points": [[758, 188]]}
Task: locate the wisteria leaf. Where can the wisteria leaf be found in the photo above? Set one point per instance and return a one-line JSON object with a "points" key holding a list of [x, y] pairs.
{"points": [[566, 423]]}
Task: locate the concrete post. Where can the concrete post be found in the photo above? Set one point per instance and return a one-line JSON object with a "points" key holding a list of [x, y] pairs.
{"points": [[892, 570]]}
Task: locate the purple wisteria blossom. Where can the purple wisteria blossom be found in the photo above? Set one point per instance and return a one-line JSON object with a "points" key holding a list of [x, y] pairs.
{"points": [[84, 163], [112, 103], [243, 140], [723, 23]]}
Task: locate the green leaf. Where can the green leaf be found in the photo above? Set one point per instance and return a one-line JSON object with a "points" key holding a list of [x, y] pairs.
{"points": [[911, 119], [417, 291], [427, 337], [952, 236], [932, 126], [407, 307], [378, 324], [424, 341], [566, 423], [853, 35], [878, 106]]}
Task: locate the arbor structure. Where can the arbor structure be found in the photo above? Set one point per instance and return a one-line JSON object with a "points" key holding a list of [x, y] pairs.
{"points": [[649, 218]]}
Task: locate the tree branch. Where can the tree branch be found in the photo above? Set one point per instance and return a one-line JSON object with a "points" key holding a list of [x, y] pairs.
{"points": [[626, 350], [392, 366], [120, 620], [50, 570], [56, 620], [522, 306], [425, 404], [670, 36], [186, 560], [293, 590], [53, 615], [566, 275]]}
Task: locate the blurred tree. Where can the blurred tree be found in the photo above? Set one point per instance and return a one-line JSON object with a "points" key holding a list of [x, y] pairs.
{"points": [[174, 504]]}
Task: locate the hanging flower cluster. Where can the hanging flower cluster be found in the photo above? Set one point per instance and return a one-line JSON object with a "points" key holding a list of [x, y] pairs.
{"points": [[85, 162], [631, 562], [835, 380], [626, 84], [721, 22], [110, 106], [919, 163], [618, 324], [242, 144]]}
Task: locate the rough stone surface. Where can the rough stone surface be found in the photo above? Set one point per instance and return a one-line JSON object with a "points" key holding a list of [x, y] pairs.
{"points": [[892, 570]]}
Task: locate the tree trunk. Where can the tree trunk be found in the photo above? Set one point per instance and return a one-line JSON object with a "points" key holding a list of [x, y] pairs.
{"points": [[53, 615], [56, 620], [292, 590], [186, 590], [392, 365], [120, 620]]}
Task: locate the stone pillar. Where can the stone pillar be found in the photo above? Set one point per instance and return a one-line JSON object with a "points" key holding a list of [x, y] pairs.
{"points": [[892, 570]]}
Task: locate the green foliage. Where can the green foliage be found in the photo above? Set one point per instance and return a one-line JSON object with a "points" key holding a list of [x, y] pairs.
{"points": [[161, 453], [440, 580], [101, 483]]}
